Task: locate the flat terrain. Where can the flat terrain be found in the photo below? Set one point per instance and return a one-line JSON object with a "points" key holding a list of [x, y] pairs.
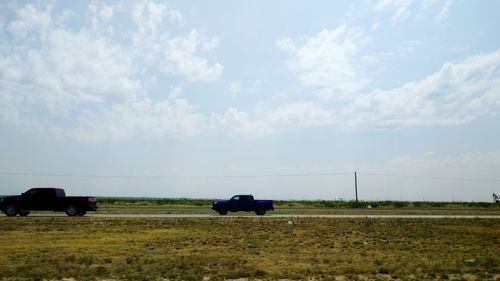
{"points": [[249, 215], [268, 248], [195, 207], [143, 210]]}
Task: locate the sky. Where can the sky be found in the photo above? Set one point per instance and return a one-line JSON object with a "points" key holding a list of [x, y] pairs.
{"points": [[279, 99]]}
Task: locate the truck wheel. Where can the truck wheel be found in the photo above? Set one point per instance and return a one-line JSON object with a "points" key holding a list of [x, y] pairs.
{"points": [[222, 211], [260, 211], [81, 213], [71, 211], [10, 211], [24, 213]]}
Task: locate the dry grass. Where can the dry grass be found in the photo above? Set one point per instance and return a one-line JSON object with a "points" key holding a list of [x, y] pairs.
{"points": [[103, 209], [202, 206], [251, 247]]}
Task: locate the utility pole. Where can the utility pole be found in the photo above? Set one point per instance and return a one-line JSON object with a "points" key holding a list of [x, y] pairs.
{"points": [[356, 187]]}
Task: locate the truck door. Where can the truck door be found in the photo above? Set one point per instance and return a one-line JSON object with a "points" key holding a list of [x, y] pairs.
{"points": [[47, 199], [234, 203], [31, 200], [246, 203]]}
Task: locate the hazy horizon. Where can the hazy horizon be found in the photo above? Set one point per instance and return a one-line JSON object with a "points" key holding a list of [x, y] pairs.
{"points": [[112, 98]]}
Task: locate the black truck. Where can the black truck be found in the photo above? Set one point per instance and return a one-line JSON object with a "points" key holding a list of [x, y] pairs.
{"points": [[243, 203], [47, 199]]}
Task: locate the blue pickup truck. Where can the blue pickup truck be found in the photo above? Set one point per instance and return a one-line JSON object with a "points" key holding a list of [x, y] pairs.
{"points": [[244, 203]]}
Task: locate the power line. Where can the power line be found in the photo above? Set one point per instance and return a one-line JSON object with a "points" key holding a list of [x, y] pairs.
{"points": [[173, 177], [242, 176], [432, 177]]}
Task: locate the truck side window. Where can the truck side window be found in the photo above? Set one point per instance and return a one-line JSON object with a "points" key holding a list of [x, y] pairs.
{"points": [[236, 198], [31, 192], [47, 192], [60, 193]]}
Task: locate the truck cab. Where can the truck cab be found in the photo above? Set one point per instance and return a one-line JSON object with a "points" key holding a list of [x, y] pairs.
{"points": [[41, 198], [242, 202]]}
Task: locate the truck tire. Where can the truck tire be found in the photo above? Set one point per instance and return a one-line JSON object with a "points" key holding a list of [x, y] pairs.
{"points": [[24, 213], [260, 211], [81, 213], [222, 211], [10, 211], [71, 211]]}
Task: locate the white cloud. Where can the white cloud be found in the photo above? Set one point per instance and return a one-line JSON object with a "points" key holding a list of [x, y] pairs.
{"points": [[444, 11], [210, 44], [234, 88], [74, 68], [238, 123], [101, 16], [151, 36], [404, 9], [457, 93], [400, 8], [331, 60], [297, 115], [286, 44], [180, 57], [142, 118], [149, 16], [382, 4], [31, 20], [429, 3], [175, 92], [287, 117], [81, 84]]}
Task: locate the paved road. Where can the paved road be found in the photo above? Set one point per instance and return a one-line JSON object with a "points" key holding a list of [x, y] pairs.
{"points": [[272, 216]]}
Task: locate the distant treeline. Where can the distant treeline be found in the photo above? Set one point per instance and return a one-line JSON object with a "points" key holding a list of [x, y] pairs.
{"points": [[381, 204], [154, 201], [293, 203]]}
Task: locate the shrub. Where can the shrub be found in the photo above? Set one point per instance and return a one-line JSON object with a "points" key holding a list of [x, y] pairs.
{"points": [[400, 204]]}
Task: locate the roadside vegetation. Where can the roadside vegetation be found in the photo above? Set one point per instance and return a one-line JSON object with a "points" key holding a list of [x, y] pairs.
{"points": [[202, 206], [53, 248], [137, 201]]}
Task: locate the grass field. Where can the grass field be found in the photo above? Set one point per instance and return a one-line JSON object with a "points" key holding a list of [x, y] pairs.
{"points": [[251, 247], [300, 211]]}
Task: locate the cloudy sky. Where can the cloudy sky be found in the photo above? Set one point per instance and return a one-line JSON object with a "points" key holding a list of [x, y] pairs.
{"points": [[142, 98]]}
